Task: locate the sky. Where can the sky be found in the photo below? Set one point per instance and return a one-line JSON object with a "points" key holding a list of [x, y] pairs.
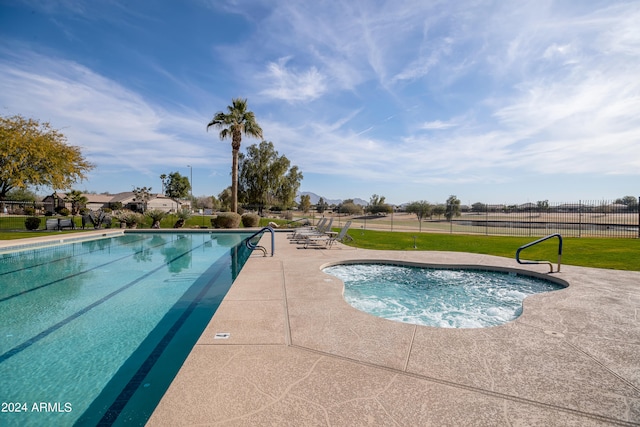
{"points": [[490, 101]]}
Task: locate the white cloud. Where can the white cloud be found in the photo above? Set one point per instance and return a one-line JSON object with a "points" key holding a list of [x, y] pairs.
{"points": [[438, 125], [292, 86], [112, 124]]}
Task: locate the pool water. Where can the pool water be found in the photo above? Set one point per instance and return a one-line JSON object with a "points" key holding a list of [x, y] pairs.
{"points": [[446, 298], [93, 332]]}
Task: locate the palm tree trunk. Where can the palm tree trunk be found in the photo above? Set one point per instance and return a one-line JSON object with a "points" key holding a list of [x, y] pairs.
{"points": [[234, 182]]}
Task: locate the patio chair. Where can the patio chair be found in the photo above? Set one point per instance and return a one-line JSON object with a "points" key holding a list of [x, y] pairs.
{"points": [[330, 238], [322, 227]]}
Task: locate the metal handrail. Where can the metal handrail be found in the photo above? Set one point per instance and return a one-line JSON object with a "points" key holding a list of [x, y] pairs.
{"points": [[253, 246], [542, 262]]}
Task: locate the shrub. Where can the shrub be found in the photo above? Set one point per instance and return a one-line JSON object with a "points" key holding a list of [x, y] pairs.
{"points": [[226, 220], [156, 216], [61, 210], [183, 215], [32, 223], [250, 220], [130, 218], [29, 210]]}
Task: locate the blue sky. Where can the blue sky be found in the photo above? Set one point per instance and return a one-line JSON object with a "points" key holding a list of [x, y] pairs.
{"points": [[491, 101]]}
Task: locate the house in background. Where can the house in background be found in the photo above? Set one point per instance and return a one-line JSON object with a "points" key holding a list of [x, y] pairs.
{"points": [[125, 200]]}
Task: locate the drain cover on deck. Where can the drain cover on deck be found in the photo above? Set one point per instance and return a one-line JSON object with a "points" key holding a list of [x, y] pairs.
{"points": [[222, 336]]}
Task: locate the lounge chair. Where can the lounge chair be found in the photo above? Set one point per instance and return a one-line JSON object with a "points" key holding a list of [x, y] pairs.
{"points": [[306, 228], [52, 224], [328, 239], [322, 227]]}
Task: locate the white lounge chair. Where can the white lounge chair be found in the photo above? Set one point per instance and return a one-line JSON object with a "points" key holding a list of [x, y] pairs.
{"points": [[328, 239], [301, 230], [321, 230]]}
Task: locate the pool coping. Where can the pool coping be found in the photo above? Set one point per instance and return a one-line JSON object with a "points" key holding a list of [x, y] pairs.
{"points": [[285, 348], [34, 242]]}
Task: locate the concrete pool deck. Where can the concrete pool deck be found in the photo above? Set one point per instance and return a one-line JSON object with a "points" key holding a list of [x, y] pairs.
{"points": [[297, 354]]}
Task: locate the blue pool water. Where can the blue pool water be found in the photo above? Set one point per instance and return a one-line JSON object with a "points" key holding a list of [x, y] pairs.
{"points": [[447, 298], [93, 332]]}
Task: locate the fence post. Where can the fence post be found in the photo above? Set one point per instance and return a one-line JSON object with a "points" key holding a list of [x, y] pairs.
{"points": [[486, 219], [580, 218], [638, 217]]}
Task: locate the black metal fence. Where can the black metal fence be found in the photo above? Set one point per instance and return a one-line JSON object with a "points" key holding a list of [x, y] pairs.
{"points": [[580, 219]]}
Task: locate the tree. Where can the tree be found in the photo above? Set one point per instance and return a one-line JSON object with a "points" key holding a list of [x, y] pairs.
{"points": [[205, 202], [266, 178], [286, 193], [350, 208], [77, 200], [176, 186], [438, 210], [142, 195], [479, 207], [163, 178], [452, 207], [305, 203], [422, 209], [34, 154], [542, 205], [322, 205], [233, 124], [224, 199], [215, 203], [377, 205], [22, 195], [630, 201]]}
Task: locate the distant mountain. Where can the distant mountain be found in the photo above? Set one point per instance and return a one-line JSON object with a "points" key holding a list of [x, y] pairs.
{"points": [[314, 198]]}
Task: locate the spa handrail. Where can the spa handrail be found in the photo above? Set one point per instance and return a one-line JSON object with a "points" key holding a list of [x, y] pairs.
{"points": [[253, 246], [542, 262]]}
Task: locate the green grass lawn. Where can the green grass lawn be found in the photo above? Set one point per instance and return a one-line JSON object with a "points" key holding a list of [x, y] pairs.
{"points": [[619, 254]]}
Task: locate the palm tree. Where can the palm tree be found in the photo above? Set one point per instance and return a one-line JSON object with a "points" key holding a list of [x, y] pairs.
{"points": [[233, 124], [77, 200]]}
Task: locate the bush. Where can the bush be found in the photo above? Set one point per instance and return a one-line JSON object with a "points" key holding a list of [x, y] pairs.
{"points": [[29, 210], [61, 210], [130, 218], [32, 223], [156, 216], [250, 220], [226, 220]]}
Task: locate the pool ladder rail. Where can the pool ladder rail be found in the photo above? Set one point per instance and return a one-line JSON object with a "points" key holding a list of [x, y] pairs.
{"points": [[542, 262], [253, 246]]}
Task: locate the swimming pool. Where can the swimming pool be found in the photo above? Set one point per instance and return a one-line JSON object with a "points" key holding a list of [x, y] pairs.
{"points": [[94, 331], [441, 297]]}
